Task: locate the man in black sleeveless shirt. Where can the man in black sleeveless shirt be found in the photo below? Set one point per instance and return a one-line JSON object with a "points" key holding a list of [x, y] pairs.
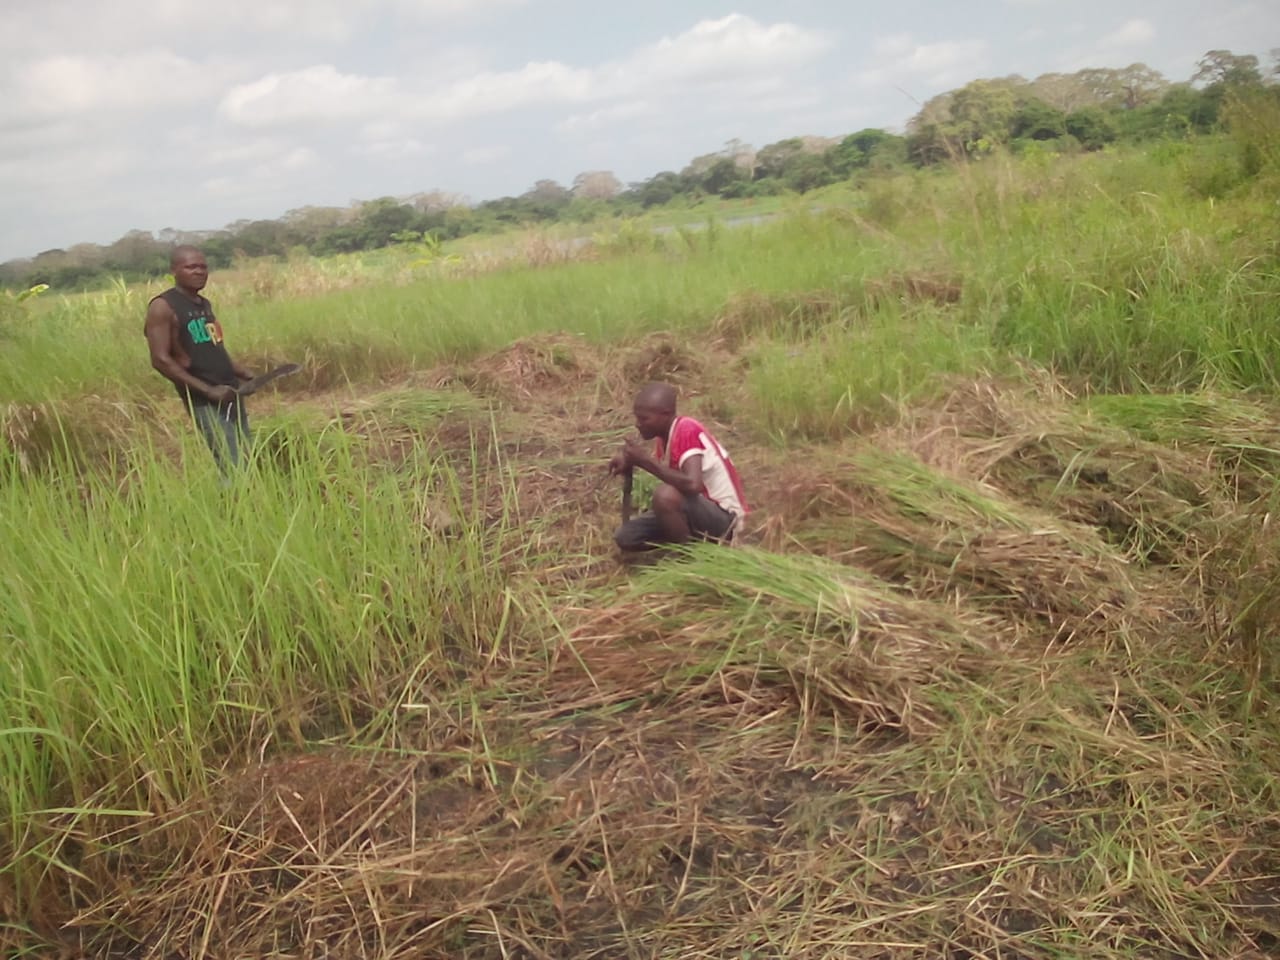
{"points": [[186, 346]]}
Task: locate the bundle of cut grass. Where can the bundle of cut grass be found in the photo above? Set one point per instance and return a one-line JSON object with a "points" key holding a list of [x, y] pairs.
{"points": [[1241, 438], [829, 635], [546, 364], [949, 533], [1155, 474], [787, 316], [948, 536], [660, 357], [1156, 504]]}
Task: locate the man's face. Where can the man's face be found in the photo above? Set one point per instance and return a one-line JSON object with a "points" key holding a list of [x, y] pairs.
{"points": [[651, 422], [191, 272]]}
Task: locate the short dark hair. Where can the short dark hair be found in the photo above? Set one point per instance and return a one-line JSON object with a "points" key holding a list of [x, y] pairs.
{"points": [[183, 250], [657, 396]]}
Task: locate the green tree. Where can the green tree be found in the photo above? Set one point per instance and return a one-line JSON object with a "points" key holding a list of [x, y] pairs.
{"points": [[855, 152], [596, 185], [380, 220], [1092, 126], [1140, 84], [725, 177], [260, 238], [310, 224], [545, 199], [982, 111], [137, 254], [659, 189], [773, 159], [1062, 91], [1224, 68], [1036, 120], [808, 172]]}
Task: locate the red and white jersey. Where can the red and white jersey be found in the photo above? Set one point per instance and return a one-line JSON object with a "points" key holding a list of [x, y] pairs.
{"points": [[720, 484]]}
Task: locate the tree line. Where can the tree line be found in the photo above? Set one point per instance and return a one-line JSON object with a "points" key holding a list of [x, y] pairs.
{"points": [[1081, 111]]}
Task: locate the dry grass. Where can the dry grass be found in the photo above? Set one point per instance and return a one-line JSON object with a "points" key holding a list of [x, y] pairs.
{"points": [[782, 315], [947, 705], [905, 288]]}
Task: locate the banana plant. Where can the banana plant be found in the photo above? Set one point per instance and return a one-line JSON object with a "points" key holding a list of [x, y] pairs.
{"points": [[428, 247], [13, 305]]}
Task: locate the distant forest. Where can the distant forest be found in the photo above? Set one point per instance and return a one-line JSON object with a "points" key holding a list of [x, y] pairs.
{"points": [[1056, 112]]}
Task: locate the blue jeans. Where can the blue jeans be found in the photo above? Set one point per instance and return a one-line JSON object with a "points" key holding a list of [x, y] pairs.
{"points": [[225, 430]]}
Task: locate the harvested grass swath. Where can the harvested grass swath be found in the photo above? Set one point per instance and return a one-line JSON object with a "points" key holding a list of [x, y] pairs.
{"points": [[1100, 806], [786, 316], [833, 637], [533, 367], [954, 538]]}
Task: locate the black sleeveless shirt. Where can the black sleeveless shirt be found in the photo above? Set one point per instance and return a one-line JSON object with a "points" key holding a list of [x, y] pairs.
{"points": [[200, 336]]}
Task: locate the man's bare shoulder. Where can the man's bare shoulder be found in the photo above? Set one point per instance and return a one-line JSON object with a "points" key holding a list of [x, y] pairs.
{"points": [[160, 310]]}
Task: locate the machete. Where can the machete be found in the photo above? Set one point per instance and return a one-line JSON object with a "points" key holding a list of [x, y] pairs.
{"points": [[627, 479], [262, 379]]}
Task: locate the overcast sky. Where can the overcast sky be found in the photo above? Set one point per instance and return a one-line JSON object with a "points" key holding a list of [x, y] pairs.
{"points": [[124, 114]]}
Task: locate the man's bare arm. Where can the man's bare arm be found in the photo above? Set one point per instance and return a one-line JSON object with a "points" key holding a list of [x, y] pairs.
{"points": [[160, 329], [688, 479]]}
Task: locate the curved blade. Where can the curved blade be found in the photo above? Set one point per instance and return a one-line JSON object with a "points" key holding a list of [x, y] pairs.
{"points": [[260, 381]]}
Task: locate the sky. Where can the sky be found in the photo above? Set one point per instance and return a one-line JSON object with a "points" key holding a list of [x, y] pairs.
{"points": [[152, 114]]}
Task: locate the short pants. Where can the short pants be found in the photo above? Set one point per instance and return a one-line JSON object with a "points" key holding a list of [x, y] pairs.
{"points": [[707, 521]]}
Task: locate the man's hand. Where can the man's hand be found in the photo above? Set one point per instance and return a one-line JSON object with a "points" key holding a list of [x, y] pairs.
{"points": [[636, 454], [632, 454], [221, 394]]}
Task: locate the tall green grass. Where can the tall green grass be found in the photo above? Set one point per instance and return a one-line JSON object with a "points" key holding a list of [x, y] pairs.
{"points": [[1112, 270], [849, 375], [164, 623]]}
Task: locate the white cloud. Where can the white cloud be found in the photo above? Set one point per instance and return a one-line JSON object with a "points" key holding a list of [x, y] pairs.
{"points": [[320, 93], [899, 61], [1130, 34], [625, 111], [297, 158], [490, 154], [53, 87], [69, 24], [725, 49], [546, 82], [394, 149], [253, 151], [259, 179], [71, 173], [736, 51]]}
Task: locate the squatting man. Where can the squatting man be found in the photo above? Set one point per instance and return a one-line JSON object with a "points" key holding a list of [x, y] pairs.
{"points": [[699, 496]]}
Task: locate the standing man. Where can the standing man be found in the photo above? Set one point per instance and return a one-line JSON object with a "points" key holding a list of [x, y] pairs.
{"points": [[186, 346], [700, 495]]}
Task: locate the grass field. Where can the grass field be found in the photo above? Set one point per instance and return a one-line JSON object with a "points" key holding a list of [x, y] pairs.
{"points": [[992, 675]]}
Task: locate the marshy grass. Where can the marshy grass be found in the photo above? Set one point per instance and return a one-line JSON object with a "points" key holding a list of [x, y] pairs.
{"points": [[991, 674], [1106, 270], [160, 622]]}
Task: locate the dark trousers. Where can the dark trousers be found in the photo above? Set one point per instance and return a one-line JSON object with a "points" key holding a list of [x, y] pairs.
{"points": [[707, 521], [226, 431]]}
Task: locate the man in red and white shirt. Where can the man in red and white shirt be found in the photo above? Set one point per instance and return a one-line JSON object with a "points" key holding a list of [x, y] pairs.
{"points": [[700, 495]]}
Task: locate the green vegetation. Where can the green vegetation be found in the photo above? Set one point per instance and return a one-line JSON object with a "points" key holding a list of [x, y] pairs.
{"points": [[993, 673], [1054, 113]]}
